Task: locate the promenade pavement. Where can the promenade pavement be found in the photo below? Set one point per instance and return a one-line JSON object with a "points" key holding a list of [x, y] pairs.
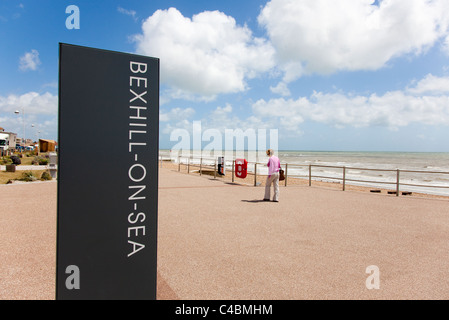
{"points": [[219, 240]]}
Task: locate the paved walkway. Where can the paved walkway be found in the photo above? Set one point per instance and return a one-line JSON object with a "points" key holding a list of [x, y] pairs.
{"points": [[220, 241]]}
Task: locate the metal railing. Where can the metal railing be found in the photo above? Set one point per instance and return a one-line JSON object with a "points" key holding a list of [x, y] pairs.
{"points": [[201, 165], [397, 172]]}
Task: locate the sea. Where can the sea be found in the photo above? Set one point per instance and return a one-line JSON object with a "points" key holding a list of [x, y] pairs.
{"points": [[422, 172]]}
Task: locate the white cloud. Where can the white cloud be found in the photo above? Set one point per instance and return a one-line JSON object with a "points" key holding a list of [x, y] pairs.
{"points": [[29, 61], [34, 108], [220, 119], [182, 94], [219, 112], [393, 110], [31, 102], [130, 13], [445, 46], [176, 118], [325, 36], [223, 118], [179, 125], [206, 55], [281, 89], [176, 114], [431, 85]]}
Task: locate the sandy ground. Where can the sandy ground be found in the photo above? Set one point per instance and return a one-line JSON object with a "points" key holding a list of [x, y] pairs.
{"points": [[218, 240]]}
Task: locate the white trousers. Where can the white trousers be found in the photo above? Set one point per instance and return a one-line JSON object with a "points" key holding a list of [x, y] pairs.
{"points": [[274, 179]]}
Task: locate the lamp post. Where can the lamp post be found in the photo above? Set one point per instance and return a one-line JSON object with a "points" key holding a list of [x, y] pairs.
{"points": [[35, 133], [37, 137], [23, 121]]}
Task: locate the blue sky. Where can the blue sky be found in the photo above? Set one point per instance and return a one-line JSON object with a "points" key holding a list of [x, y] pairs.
{"points": [[328, 75]]}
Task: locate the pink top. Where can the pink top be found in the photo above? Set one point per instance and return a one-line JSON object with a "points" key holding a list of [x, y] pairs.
{"points": [[273, 165]]}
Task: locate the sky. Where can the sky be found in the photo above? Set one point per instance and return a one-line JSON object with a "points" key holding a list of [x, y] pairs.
{"points": [[348, 75]]}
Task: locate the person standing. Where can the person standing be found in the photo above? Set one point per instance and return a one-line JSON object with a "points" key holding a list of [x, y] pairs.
{"points": [[274, 164]]}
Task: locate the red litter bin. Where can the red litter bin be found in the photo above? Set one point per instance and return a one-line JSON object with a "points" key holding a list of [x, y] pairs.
{"points": [[241, 166]]}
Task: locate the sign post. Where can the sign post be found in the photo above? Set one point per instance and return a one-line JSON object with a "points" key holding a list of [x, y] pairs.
{"points": [[107, 175]]}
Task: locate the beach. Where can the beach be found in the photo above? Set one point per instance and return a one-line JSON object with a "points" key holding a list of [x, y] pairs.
{"points": [[218, 240]]}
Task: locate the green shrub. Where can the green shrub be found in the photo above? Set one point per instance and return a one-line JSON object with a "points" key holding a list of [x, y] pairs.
{"points": [[42, 161], [28, 176], [15, 159], [46, 176], [5, 160]]}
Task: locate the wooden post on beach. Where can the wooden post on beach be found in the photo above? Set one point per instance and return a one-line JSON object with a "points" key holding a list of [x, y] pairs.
{"points": [[188, 165], [179, 163], [344, 178], [310, 175], [255, 174], [201, 165], [286, 171], [397, 183], [215, 169], [233, 166]]}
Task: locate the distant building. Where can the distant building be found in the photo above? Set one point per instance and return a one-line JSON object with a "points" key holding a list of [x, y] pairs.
{"points": [[25, 143], [47, 145], [7, 141]]}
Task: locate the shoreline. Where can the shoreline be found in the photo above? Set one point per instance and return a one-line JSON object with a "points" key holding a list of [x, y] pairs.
{"points": [[294, 181], [416, 172]]}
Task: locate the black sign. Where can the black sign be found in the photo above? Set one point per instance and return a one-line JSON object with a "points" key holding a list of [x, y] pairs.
{"points": [[107, 175]]}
